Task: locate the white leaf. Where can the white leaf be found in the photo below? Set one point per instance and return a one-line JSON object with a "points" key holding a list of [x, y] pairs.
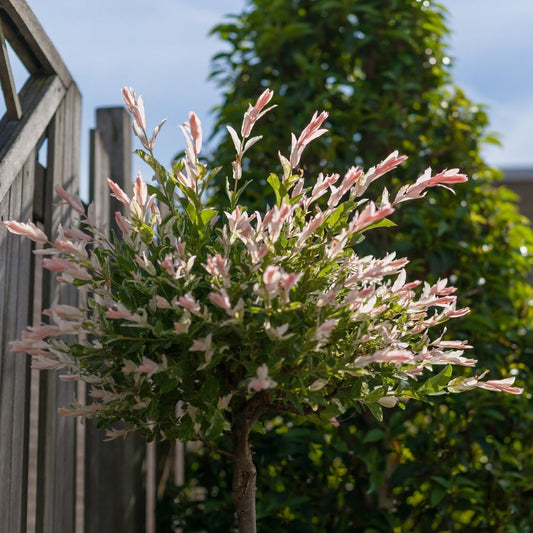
{"points": [[251, 142], [235, 138], [318, 384], [156, 130]]}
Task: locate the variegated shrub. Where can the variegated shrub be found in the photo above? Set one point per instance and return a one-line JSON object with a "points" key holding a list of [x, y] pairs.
{"points": [[193, 322]]}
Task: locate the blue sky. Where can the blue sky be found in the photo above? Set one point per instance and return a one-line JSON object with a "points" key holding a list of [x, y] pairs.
{"points": [[161, 49], [492, 48]]}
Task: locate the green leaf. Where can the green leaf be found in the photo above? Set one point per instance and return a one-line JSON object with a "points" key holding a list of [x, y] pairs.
{"points": [[207, 214], [383, 223], [154, 164], [376, 411], [436, 383], [375, 395], [259, 427], [441, 481], [340, 215], [279, 189], [211, 176], [217, 425], [210, 388], [374, 435], [436, 496], [191, 211], [157, 191], [240, 191]]}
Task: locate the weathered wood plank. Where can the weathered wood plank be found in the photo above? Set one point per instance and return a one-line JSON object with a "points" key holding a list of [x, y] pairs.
{"points": [[114, 125], [57, 439], [31, 43], [27, 97], [13, 109], [114, 129], [22, 369], [15, 310], [24, 53], [99, 170], [114, 493], [27, 132], [38, 200], [49, 101], [35, 376]]}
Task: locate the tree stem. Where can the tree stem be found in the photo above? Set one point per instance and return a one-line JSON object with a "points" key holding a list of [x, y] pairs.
{"points": [[244, 475]]}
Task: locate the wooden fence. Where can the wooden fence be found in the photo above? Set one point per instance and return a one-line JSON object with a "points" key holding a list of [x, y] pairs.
{"points": [[56, 474]]}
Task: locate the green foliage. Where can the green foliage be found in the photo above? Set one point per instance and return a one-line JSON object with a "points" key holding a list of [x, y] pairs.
{"points": [[193, 326], [235, 316], [361, 478], [378, 67], [381, 68]]}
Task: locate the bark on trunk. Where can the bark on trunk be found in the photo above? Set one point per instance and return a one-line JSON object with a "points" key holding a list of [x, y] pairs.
{"points": [[244, 475]]}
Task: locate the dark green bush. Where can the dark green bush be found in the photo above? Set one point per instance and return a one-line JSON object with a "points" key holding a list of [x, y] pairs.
{"points": [[465, 463]]}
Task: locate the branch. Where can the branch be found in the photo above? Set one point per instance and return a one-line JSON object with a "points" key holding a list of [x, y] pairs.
{"points": [[280, 407], [253, 408], [215, 449]]}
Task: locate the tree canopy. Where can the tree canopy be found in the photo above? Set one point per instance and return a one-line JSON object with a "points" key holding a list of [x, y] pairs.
{"points": [[194, 326], [381, 67]]}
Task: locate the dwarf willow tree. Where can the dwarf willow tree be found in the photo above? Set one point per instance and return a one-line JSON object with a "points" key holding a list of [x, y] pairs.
{"points": [[195, 323], [381, 67]]}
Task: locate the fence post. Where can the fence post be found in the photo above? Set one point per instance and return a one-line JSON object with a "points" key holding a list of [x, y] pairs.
{"points": [[56, 480], [110, 157], [15, 311], [114, 493]]}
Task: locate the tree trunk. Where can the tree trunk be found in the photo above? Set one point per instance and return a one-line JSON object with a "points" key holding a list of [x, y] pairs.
{"points": [[244, 475]]}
